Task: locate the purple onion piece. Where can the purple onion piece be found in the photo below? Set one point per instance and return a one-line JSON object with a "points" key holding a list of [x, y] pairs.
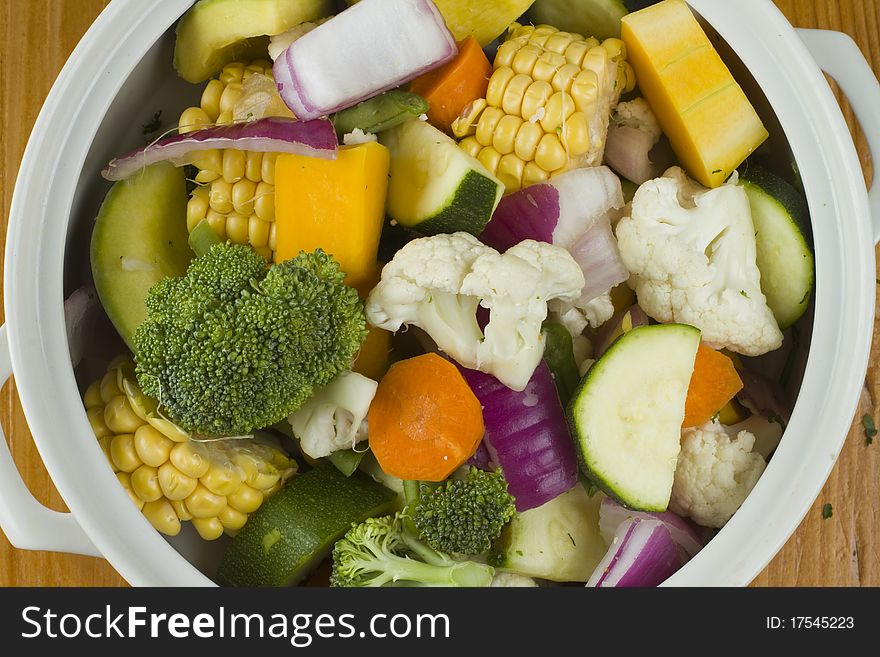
{"points": [[642, 554], [386, 43], [270, 135], [530, 213], [613, 328], [82, 310], [527, 436], [763, 396], [481, 458], [612, 514]]}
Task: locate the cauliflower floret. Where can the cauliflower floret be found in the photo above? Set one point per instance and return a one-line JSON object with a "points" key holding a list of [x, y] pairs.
{"points": [[692, 255], [636, 113], [714, 474], [334, 417], [436, 283], [281, 42], [511, 580]]}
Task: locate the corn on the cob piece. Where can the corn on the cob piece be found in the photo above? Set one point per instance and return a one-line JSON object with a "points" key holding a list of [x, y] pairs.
{"points": [[547, 106], [236, 191], [170, 477]]}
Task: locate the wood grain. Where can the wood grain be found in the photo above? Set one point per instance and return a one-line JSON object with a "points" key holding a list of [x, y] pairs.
{"points": [[841, 551]]}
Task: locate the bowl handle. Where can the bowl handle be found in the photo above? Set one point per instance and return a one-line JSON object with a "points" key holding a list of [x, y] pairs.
{"points": [[839, 56], [26, 522]]}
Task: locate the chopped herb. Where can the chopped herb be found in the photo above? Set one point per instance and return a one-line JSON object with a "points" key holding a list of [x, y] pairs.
{"points": [[744, 293], [806, 296], [152, 125], [519, 552], [878, 280], [827, 511], [716, 416], [571, 538], [870, 429], [774, 417], [716, 171]]}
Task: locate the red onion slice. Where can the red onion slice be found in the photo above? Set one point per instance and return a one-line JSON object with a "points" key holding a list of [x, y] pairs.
{"points": [[369, 48], [270, 135], [642, 554], [527, 436], [612, 515], [82, 310]]}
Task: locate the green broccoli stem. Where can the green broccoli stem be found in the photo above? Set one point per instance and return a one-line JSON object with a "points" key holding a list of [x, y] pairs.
{"points": [[453, 573], [202, 238], [380, 112]]}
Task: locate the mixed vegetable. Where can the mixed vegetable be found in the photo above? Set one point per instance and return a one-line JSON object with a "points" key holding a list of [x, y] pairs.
{"points": [[446, 297]]}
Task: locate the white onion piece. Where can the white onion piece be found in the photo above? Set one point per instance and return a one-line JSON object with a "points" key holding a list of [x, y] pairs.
{"points": [[369, 48], [269, 135], [585, 196], [599, 258], [613, 514], [642, 554], [81, 312], [627, 151]]}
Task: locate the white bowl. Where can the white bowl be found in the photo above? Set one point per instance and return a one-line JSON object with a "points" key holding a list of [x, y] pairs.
{"points": [[121, 73]]}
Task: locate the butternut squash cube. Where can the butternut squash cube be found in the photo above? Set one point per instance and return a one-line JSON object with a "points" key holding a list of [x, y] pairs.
{"points": [[336, 205], [711, 125]]}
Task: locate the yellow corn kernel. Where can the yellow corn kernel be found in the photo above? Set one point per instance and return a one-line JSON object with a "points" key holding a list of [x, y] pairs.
{"points": [[550, 154], [104, 444], [210, 102], [192, 119], [630, 78], [576, 134], [180, 509], [152, 446], [525, 59], [253, 166], [535, 98], [511, 101], [471, 146], [596, 60], [558, 42], [505, 133], [190, 458], [206, 176], [125, 480], [466, 124], [232, 520], [92, 396], [533, 174], [615, 48], [243, 193], [231, 73], [145, 483], [272, 241], [221, 196], [237, 228], [267, 171], [217, 221], [245, 499], [175, 485], [210, 529], [585, 91], [264, 201], [265, 252], [527, 139], [490, 158], [258, 231], [202, 503], [234, 162], [123, 453], [96, 420], [510, 171], [119, 416], [497, 84], [162, 516], [109, 386], [559, 108], [506, 53], [575, 52], [488, 122], [564, 76], [547, 65], [209, 161], [222, 478], [230, 96], [197, 207], [225, 118], [541, 34]]}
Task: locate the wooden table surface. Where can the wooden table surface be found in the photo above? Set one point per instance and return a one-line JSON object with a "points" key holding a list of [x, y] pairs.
{"points": [[36, 37]]}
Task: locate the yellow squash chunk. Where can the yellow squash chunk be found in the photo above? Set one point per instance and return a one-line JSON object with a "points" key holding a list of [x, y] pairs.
{"points": [[710, 123], [336, 205]]}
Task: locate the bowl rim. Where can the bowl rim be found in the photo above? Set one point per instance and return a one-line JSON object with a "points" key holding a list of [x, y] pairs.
{"points": [[33, 292]]}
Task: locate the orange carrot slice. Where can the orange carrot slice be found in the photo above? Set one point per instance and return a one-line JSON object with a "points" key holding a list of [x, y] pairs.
{"points": [[450, 88], [713, 384], [424, 420]]}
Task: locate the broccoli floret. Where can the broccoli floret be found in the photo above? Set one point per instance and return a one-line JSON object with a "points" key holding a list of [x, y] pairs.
{"points": [[381, 552], [464, 516], [236, 345]]}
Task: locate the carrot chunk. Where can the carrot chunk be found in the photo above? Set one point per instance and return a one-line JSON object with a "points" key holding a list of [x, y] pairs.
{"points": [[713, 384]]}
